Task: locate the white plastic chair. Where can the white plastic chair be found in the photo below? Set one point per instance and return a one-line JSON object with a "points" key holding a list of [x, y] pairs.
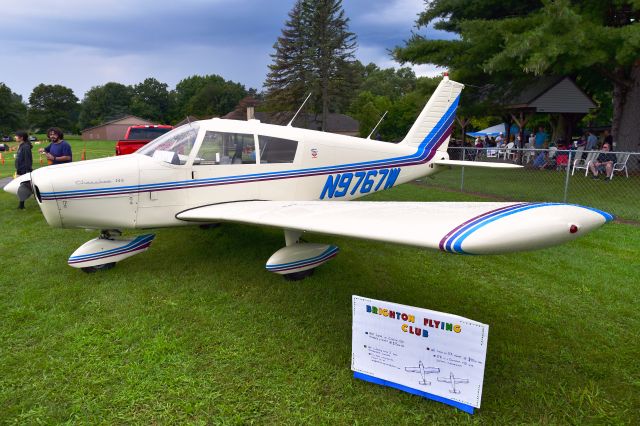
{"points": [[508, 151], [621, 165], [580, 163]]}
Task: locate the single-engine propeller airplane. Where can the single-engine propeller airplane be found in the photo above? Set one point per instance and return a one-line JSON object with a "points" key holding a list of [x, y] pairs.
{"points": [[423, 371], [454, 381], [295, 179]]}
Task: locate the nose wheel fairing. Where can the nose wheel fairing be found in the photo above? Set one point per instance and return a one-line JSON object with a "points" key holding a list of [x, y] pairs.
{"points": [[105, 250]]}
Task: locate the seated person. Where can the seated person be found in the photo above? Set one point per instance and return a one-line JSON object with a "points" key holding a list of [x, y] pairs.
{"points": [[604, 162], [541, 160]]}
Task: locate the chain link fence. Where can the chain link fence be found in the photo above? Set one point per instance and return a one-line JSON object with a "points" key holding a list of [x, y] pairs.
{"points": [[547, 175]]}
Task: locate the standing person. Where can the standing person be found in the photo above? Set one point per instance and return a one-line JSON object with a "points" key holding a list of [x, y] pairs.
{"points": [[59, 150], [24, 164], [532, 140], [592, 141], [541, 138]]}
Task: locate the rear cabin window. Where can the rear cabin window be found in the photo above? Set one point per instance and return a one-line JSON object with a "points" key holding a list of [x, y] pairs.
{"points": [[276, 150], [223, 148], [147, 133]]}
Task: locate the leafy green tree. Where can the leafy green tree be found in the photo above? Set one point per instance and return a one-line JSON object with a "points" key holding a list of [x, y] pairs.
{"points": [[53, 105], [402, 106], [104, 103], [12, 111], [368, 108], [204, 96], [150, 100], [595, 41], [315, 53], [387, 82]]}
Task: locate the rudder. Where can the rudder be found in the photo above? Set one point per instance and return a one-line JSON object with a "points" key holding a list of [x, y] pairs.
{"points": [[432, 127]]}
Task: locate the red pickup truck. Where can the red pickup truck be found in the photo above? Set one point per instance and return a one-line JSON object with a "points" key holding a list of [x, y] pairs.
{"points": [[138, 136]]}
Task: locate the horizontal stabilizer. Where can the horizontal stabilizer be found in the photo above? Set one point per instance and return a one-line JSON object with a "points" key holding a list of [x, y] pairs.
{"points": [[485, 164], [465, 228]]}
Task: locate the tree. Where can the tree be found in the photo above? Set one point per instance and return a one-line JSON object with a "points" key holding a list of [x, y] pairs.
{"points": [[53, 105], [204, 96], [150, 100], [593, 41], [104, 103], [12, 110], [387, 82], [314, 53], [402, 108], [383, 90], [289, 77]]}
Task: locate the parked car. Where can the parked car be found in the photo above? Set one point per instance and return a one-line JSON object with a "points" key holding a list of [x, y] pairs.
{"points": [[138, 136], [33, 138], [6, 138]]}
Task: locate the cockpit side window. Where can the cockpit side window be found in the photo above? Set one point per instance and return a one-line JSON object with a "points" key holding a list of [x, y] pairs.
{"points": [[276, 150], [223, 148], [173, 147]]}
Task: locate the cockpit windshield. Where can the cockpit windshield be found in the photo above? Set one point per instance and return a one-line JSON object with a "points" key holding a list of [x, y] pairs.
{"points": [[173, 147]]}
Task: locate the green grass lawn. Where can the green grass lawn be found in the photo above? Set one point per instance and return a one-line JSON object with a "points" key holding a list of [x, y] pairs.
{"points": [[195, 330], [620, 196]]}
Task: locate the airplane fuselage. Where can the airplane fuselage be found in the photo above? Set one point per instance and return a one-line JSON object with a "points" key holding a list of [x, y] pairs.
{"points": [[147, 190]]}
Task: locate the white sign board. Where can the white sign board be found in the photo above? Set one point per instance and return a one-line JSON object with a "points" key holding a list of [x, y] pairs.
{"points": [[433, 354]]}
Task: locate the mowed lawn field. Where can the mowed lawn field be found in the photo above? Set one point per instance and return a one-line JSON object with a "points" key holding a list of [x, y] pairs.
{"points": [[196, 331]]}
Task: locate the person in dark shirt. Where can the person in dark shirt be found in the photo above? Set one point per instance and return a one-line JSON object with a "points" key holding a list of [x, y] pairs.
{"points": [[59, 150], [604, 162], [24, 163]]}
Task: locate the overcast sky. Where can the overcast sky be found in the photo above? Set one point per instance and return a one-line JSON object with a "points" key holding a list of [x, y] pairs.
{"points": [[85, 43]]}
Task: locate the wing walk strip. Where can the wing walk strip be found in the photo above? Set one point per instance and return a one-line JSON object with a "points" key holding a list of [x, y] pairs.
{"points": [[425, 152], [139, 243], [326, 255], [452, 241]]}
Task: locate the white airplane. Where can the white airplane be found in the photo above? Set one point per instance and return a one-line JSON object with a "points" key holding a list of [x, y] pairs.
{"points": [[295, 179], [453, 380], [423, 372]]}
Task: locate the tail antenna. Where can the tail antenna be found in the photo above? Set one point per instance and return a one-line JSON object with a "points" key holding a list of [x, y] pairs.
{"points": [[376, 126], [299, 109]]}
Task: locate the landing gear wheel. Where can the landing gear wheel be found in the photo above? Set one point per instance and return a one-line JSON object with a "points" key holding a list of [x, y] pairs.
{"points": [[103, 267], [210, 225], [297, 276]]}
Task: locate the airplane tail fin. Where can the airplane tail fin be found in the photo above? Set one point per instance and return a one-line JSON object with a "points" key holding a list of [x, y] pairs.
{"points": [[432, 129]]}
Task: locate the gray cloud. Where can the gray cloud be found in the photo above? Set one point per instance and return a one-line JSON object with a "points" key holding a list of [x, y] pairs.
{"points": [[81, 44]]}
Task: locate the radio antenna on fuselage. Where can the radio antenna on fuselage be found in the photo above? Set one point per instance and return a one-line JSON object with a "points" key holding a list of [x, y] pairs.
{"points": [[299, 109], [376, 126]]}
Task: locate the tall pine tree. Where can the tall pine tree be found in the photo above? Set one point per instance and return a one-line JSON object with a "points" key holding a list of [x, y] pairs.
{"points": [[314, 53]]}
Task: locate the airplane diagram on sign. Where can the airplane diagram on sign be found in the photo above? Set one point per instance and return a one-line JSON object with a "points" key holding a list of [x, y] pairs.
{"points": [[294, 179], [453, 380], [423, 372]]}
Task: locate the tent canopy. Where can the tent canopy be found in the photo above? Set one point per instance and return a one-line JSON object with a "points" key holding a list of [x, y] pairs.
{"points": [[492, 131]]}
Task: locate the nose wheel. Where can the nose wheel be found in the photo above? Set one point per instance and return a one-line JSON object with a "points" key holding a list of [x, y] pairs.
{"points": [[96, 268], [298, 276]]}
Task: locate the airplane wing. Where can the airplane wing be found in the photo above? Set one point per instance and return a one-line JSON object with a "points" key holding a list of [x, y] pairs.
{"points": [[412, 369], [465, 228]]}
